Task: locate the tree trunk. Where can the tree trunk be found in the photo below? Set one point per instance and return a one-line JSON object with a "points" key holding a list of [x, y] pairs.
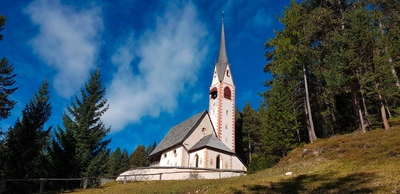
{"points": [[297, 129], [366, 118], [388, 110], [248, 136], [383, 113], [311, 131], [358, 110]]}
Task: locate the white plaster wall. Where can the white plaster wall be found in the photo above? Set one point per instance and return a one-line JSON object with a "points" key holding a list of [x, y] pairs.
{"points": [[225, 162], [214, 107], [237, 164], [202, 159], [228, 79], [172, 157], [215, 78], [149, 174], [198, 133], [228, 116]]}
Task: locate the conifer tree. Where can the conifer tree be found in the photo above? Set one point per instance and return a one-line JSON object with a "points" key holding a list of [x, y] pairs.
{"points": [[138, 158], [252, 134], [6, 82], [114, 162], [26, 143], [124, 162], [82, 141], [6, 105]]}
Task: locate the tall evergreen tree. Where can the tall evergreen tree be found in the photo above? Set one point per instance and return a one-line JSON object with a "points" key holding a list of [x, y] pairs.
{"points": [[251, 129], [124, 162], [26, 143], [6, 82], [114, 162], [82, 141], [6, 105]]}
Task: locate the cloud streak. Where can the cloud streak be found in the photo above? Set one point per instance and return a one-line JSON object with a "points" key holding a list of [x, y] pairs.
{"points": [[169, 58], [68, 41]]}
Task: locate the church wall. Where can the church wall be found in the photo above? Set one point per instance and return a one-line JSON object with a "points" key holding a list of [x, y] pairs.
{"points": [[201, 158], [203, 129], [237, 164], [173, 157], [227, 119], [225, 160]]}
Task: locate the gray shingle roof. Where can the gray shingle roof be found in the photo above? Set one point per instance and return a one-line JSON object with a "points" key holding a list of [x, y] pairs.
{"points": [[222, 57], [211, 141], [179, 133]]}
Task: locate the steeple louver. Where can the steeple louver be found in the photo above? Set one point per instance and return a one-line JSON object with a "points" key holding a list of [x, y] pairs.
{"points": [[222, 57]]}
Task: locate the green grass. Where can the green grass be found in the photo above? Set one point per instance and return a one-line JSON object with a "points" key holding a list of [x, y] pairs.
{"points": [[351, 163]]}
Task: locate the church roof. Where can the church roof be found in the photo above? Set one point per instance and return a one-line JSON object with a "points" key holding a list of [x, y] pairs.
{"points": [[211, 141], [179, 133], [222, 57]]}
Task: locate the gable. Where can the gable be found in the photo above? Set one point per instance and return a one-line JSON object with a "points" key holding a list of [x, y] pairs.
{"points": [[204, 128], [179, 133]]}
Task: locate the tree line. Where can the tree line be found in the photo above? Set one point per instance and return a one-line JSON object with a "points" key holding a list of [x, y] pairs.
{"points": [[334, 68], [76, 148]]}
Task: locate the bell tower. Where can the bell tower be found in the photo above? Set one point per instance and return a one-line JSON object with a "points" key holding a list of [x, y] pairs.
{"points": [[222, 97]]}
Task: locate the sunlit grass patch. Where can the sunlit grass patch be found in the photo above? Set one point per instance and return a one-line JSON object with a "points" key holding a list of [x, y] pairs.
{"points": [[350, 163]]}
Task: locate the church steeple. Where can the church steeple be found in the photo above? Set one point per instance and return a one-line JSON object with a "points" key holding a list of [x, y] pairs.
{"points": [[222, 97], [222, 57]]}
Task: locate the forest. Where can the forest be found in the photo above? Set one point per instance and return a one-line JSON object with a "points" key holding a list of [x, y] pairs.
{"points": [[334, 68]]}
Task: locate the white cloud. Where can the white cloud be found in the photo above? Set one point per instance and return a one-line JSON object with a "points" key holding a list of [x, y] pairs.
{"points": [[170, 56], [68, 40]]}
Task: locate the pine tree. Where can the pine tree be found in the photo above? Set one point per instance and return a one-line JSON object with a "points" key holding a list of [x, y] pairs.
{"points": [[251, 130], [114, 162], [26, 143], [138, 158], [6, 82], [6, 105], [82, 141], [124, 162]]}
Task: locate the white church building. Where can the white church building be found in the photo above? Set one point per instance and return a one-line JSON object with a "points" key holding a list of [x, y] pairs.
{"points": [[206, 141]]}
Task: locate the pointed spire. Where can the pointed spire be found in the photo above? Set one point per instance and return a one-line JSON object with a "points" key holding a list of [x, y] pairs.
{"points": [[222, 57]]}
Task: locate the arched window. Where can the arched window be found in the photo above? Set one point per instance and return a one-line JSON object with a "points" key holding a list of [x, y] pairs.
{"points": [[213, 93], [196, 161], [218, 162], [227, 93]]}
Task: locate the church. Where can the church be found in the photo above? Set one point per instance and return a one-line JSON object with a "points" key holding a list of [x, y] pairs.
{"points": [[207, 139]]}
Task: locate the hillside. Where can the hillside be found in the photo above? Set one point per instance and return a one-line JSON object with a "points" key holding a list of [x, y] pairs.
{"points": [[351, 163]]}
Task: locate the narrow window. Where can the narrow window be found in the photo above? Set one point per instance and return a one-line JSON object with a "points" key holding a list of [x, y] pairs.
{"points": [[217, 162], [196, 161], [227, 93]]}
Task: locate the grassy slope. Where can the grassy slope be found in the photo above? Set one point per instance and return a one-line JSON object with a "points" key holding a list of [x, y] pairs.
{"points": [[351, 163]]}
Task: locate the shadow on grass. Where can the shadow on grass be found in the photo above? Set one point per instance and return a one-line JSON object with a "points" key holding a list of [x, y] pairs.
{"points": [[316, 183]]}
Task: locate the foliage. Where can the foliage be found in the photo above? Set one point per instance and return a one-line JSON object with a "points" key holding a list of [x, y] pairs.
{"points": [[26, 143], [80, 150], [344, 50], [6, 105], [6, 82], [118, 162], [140, 156]]}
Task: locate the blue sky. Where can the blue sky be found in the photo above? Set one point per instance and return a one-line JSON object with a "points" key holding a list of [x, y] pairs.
{"points": [[156, 57]]}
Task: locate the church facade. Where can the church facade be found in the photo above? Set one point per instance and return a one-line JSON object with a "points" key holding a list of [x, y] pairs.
{"points": [[207, 139]]}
